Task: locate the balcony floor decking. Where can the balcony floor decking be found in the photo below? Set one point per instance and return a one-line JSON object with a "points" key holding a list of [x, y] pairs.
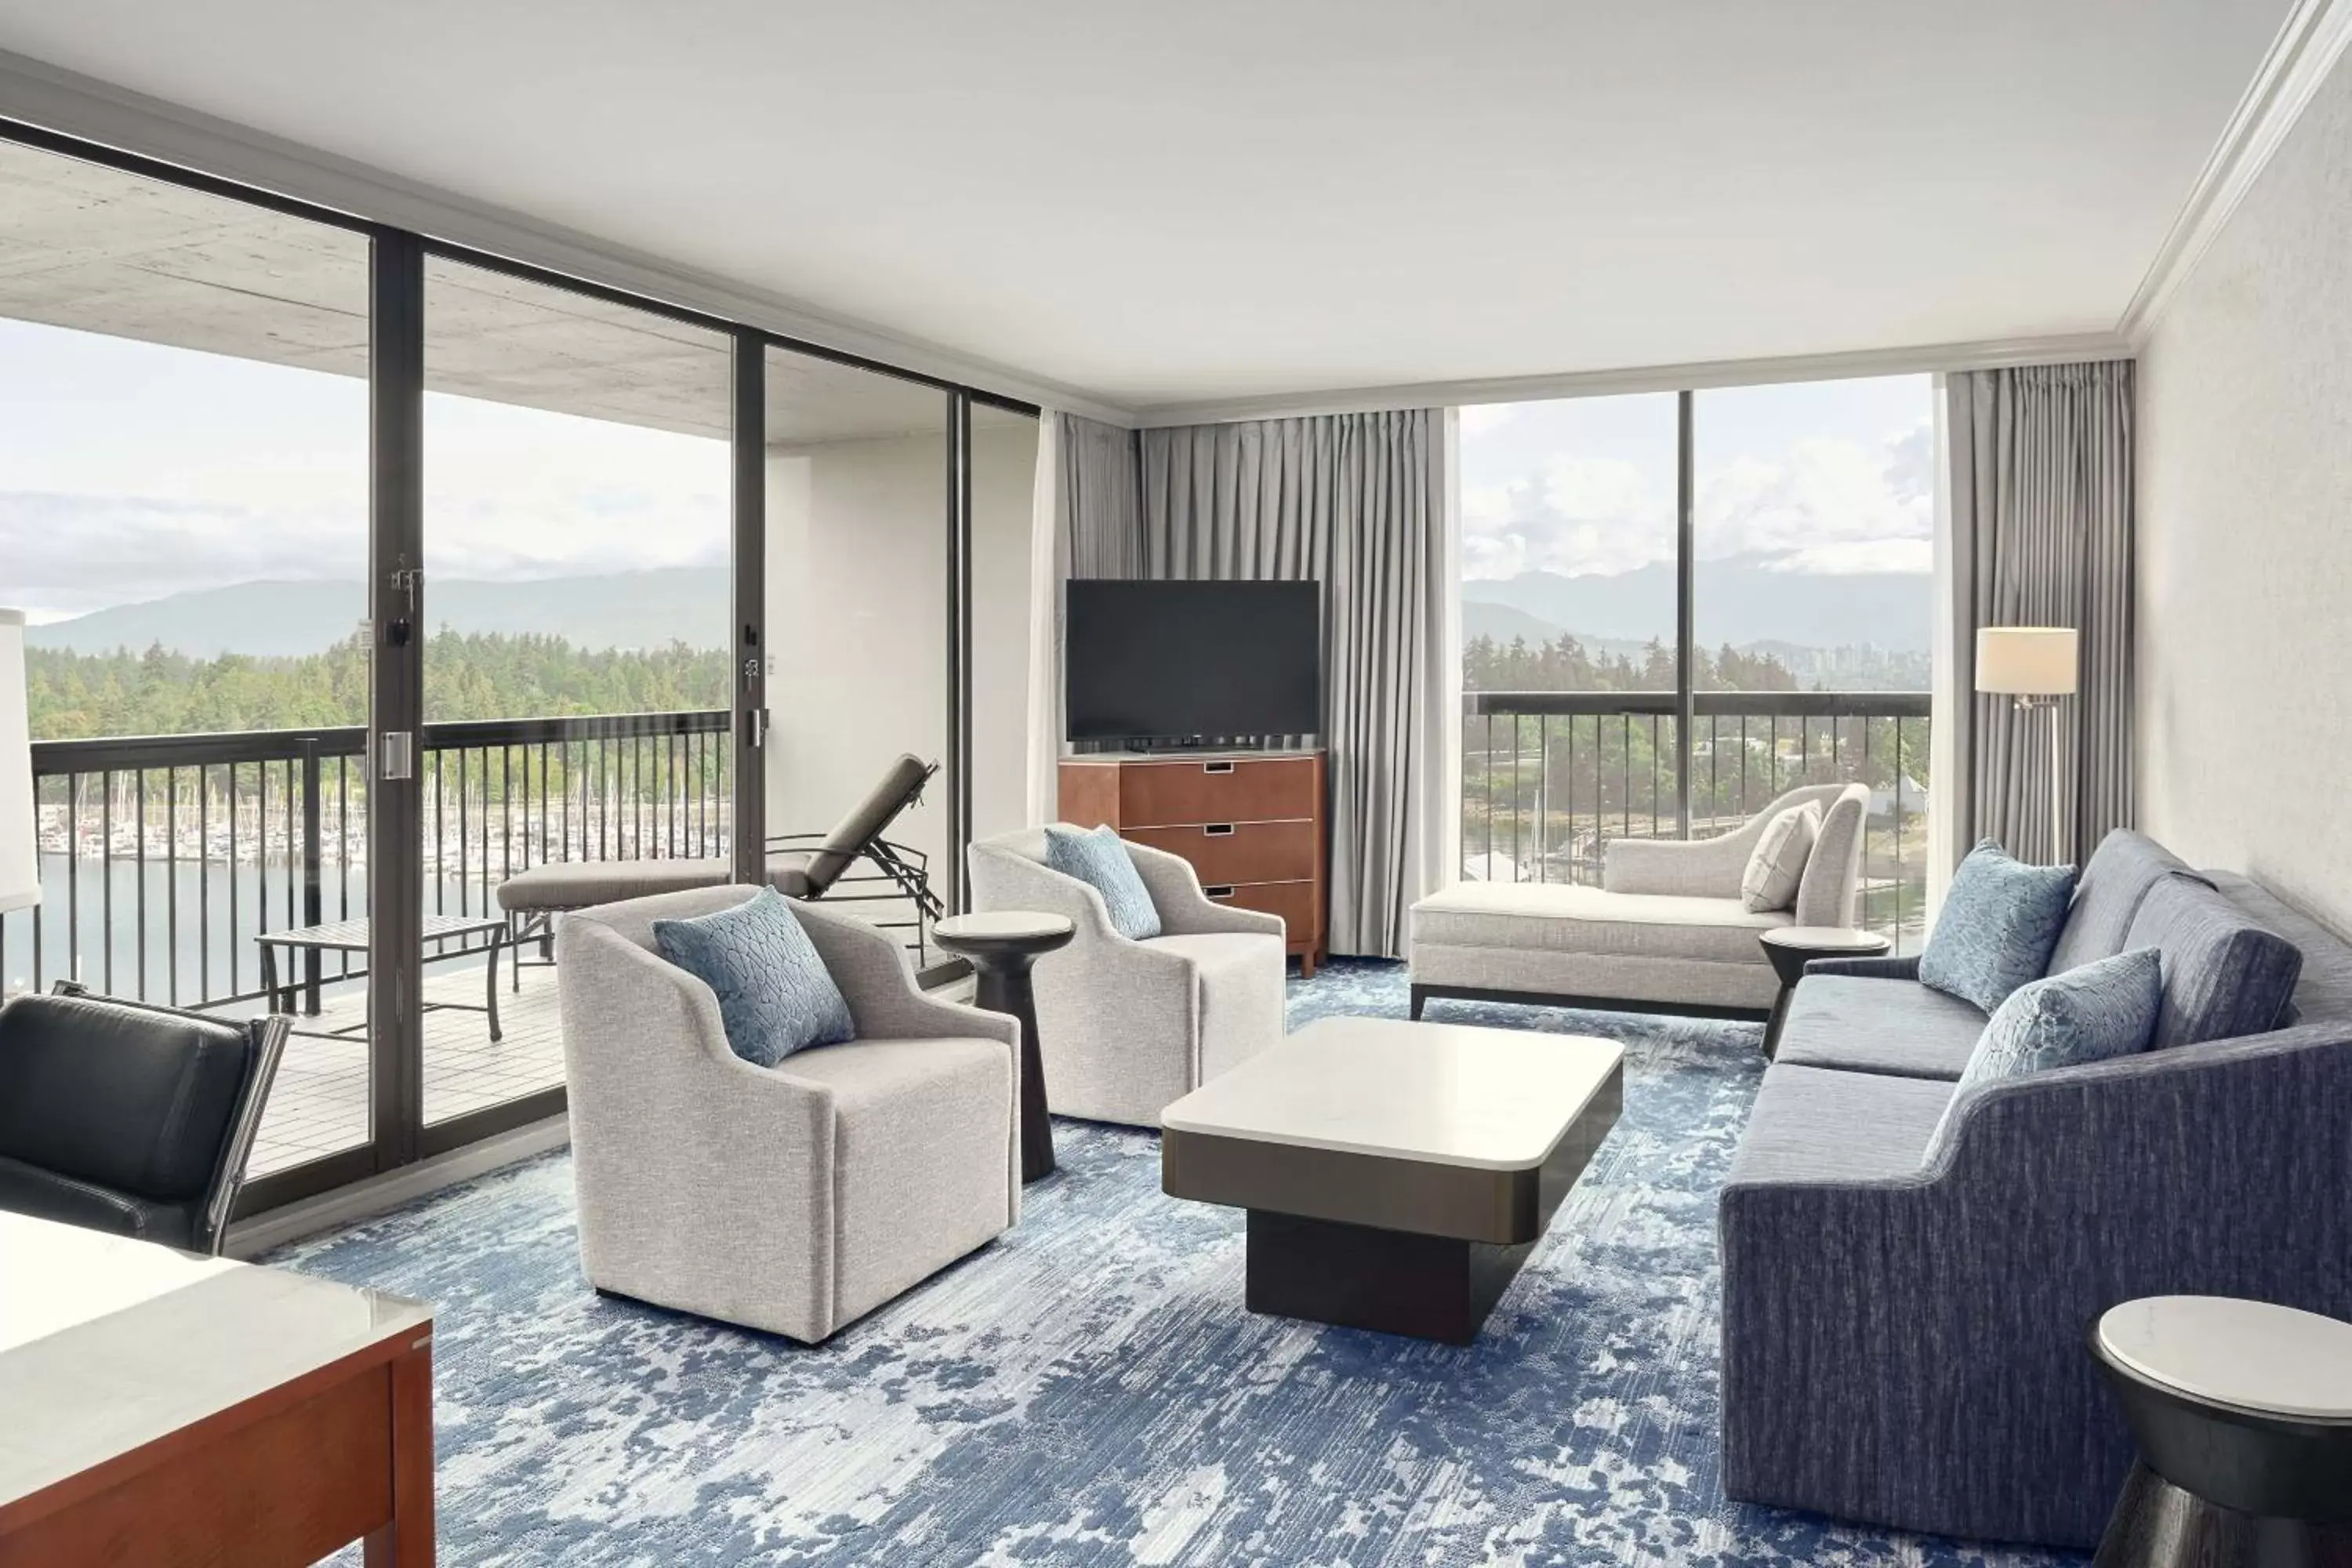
{"points": [[320, 1103]]}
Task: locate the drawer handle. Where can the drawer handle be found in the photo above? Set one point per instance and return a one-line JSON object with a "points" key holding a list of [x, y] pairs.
{"points": [[1219, 829], [1216, 768], [1218, 892]]}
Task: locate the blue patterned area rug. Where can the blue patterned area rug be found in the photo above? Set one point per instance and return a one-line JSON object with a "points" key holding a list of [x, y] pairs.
{"points": [[1089, 1390]]}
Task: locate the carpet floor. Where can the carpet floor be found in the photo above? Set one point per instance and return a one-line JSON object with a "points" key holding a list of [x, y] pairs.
{"points": [[1088, 1389]]}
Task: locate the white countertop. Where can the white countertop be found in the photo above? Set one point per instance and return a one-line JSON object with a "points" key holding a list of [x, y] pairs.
{"points": [[107, 1343], [2251, 1354], [1449, 1094]]}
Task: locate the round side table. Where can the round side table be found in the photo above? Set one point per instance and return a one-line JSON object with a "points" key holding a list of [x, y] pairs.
{"points": [[1788, 948], [1000, 947], [2242, 1411]]}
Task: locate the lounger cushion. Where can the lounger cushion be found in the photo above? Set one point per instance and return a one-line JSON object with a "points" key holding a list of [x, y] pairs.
{"points": [[565, 885]]}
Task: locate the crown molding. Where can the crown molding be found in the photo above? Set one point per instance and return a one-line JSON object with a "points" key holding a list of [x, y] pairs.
{"points": [[1909, 361], [2300, 58], [74, 105]]}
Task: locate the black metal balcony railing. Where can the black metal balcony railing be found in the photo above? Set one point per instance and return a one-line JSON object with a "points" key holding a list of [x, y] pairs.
{"points": [[163, 856], [1548, 778]]}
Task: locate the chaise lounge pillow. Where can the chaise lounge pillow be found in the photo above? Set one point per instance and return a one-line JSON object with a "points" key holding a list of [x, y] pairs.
{"points": [[2091, 1013], [2000, 922], [1100, 861], [1776, 867], [775, 994]]}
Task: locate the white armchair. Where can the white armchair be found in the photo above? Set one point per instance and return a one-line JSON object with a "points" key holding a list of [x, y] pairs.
{"points": [[795, 1198], [1126, 1027], [1665, 931]]}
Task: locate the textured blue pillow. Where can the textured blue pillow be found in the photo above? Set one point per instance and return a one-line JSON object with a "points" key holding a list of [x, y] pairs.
{"points": [[775, 994], [1100, 861], [1999, 921], [2105, 1008]]}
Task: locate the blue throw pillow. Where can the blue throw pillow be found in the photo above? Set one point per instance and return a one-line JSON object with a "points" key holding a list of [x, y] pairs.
{"points": [[1100, 861], [775, 994], [1999, 921], [2088, 1013]]}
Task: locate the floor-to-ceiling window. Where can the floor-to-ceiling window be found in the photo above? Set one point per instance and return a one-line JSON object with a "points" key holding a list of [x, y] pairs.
{"points": [[241, 434], [1782, 534], [183, 517]]}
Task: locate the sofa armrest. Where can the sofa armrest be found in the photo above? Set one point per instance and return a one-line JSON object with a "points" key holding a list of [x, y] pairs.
{"points": [[1922, 1336], [1004, 879], [1688, 867], [884, 1000], [1881, 968], [1184, 909]]}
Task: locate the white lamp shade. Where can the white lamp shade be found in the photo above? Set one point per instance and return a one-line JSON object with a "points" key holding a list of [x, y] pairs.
{"points": [[2026, 661], [20, 856]]}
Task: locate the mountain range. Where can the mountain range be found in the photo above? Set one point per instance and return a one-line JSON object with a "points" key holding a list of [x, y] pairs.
{"points": [[627, 610], [1742, 600]]}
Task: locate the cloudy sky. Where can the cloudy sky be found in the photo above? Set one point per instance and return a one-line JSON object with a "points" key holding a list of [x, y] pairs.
{"points": [[1820, 477], [130, 471]]}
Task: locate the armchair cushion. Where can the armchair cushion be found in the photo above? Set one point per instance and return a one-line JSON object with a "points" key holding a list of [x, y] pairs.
{"points": [[775, 995], [1100, 861], [1999, 921], [1778, 862]]}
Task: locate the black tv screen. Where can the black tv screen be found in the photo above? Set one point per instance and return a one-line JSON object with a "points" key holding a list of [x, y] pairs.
{"points": [[1183, 661]]}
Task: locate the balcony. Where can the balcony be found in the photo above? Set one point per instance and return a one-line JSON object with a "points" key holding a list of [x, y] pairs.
{"points": [[164, 857], [1548, 778]]}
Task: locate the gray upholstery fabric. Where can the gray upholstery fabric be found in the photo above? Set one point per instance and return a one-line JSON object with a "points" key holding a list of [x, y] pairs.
{"points": [[1885, 968], [562, 886], [1126, 1027], [1905, 1346], [1811, 1124], [1891, 1027], [2107, 895], [1088, 523], [2224, 976], [900, 785], [791, 1198], [1667, 926], [2039, 492], [1358, 503], [1779, 859]]}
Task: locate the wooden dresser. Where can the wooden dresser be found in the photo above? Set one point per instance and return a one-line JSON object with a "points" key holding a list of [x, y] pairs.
{"points": [[1251, 823]]}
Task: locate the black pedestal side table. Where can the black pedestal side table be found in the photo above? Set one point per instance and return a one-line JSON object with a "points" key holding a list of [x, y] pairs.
{"points": [[2242, 1411], [1790, 948], [1002, 946]]}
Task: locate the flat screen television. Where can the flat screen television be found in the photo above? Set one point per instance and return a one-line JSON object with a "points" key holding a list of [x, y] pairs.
{"points": [[1192, 661]]}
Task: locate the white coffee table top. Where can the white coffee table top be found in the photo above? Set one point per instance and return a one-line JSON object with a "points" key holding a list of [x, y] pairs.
{"points": [[1494, 1100], [1827, 939], [2251, 1354]]}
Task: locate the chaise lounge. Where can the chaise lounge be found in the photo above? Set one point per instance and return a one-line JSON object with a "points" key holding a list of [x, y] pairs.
{"points": [[1665, 931]]}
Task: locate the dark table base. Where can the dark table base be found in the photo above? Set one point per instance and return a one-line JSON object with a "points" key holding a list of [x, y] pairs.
{"points": [[2157, 1525], [1358, 1277], [1002, 985]]}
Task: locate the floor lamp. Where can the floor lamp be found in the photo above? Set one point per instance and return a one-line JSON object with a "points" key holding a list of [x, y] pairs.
{"points": [[2036, 666]]}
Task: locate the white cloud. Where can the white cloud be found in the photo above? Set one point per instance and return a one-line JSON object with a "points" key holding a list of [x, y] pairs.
{"points": [[1831, 504]]}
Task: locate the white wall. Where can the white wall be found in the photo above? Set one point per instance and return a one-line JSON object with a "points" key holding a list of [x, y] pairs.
{"points": [[2245, 533], [857, 584]]}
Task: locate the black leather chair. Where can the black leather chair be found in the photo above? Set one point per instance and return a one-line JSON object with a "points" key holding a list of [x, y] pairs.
{"points": [[130, 1118]]}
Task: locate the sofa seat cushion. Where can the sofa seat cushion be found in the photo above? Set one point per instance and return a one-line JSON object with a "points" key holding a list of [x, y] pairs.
{"points": [[919, 1173], [1812, 1124], [1894, 1027], [1556, 918]]}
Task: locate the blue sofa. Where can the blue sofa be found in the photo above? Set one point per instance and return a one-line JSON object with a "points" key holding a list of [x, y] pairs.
{"points": [[1904, 1340]]}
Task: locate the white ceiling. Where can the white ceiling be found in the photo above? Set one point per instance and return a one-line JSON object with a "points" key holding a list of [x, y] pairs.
{"points": [[1165, 204]]}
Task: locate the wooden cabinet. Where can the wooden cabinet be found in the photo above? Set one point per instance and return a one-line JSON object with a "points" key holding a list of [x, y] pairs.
{"points": [[1252, 824]]}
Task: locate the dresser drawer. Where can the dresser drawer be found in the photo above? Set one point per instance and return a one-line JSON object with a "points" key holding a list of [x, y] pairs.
{"points": [[1239, 851], [1294, 901], [1232, 789]]}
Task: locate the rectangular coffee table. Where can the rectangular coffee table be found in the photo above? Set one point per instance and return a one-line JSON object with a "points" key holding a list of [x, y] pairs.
{"points": [[1396, 1174]]}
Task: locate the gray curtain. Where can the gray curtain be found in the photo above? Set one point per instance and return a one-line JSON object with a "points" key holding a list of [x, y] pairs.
{"points": [[1098, 500], [2040, 484], [1358, 503]]}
